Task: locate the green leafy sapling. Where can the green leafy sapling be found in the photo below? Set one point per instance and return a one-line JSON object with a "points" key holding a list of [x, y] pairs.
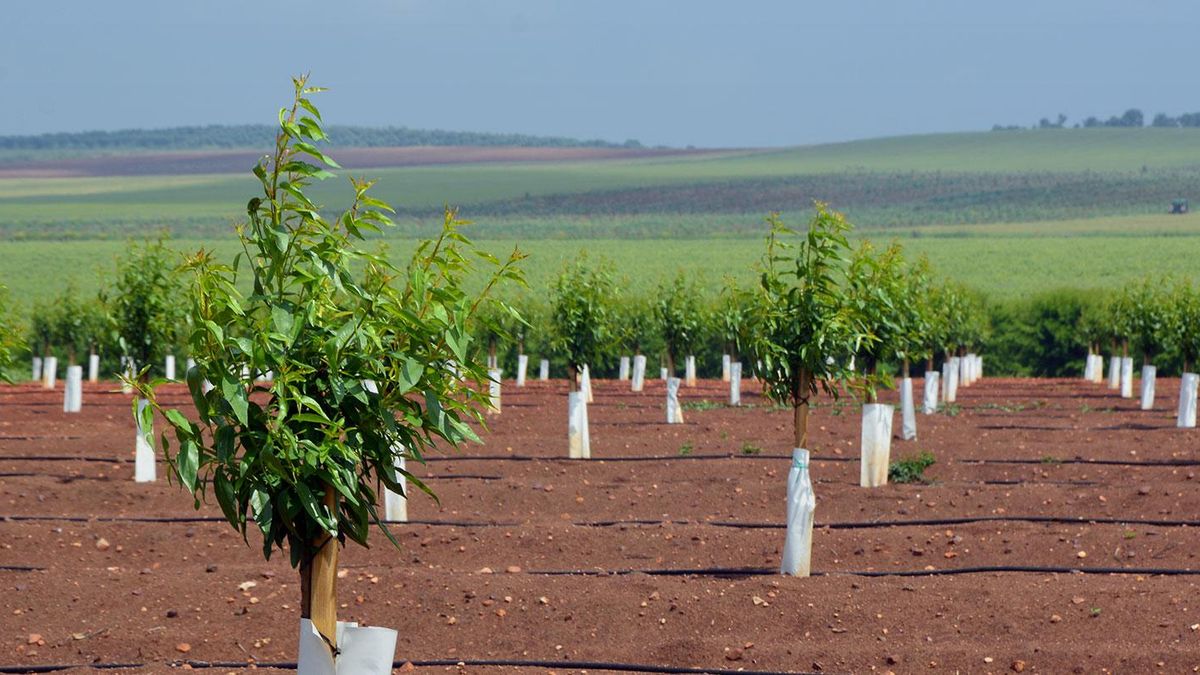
{"points": [[582, 317], [677, 310], [360, 350], [804, 331]]}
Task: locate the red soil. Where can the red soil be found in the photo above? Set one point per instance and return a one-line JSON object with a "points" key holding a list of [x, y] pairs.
{"points": [[517, 503]]}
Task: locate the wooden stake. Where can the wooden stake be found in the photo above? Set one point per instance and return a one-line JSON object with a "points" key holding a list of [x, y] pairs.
{"points": [[318, 580]]}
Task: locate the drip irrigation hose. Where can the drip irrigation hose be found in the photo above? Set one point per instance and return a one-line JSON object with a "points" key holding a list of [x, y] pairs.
{"points": [[425, 663], [21, 568], [833, 525], [742, 572]]}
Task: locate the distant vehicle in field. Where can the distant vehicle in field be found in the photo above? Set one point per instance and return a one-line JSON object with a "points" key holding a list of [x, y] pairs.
{"points": [[1179, 206]]}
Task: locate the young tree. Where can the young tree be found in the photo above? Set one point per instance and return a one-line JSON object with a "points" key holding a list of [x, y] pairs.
{"points": [[804, 332], [582, 316], [300, 456], [875, 292], [732, 318], [1184, 323], [146, 304], [9, 335], [1149, 317], [677, 309], [77, 327]]}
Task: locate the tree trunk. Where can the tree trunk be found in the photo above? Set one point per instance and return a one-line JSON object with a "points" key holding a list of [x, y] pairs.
{"points": [[904, 369], [800, 409], [1125, 348], [670, 363], [318, 580], [572, 377]]}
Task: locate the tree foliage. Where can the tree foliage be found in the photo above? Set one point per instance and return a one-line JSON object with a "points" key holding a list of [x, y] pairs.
{"points": [[358, 348], [146, 302], [10, 335], [680, 318], [582, 315]]}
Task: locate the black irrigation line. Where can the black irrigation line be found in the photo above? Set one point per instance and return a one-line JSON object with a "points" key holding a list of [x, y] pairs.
{"points": [[20, 568], [834, 525], [425, 663], [1051, 461], [744, 572]]}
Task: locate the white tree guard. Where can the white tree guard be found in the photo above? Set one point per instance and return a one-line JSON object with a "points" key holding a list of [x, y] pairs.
{"points": [[932, 381], [144, 470], [801, 503], [1186, 418], [93, 367], [1114, 372], [169, 366], [735, 383], [544, 370], [494, 376], [964, 371], [585, 384], [1149, 375], [674, 410], [726, 364], [638, 381], [361, 650], [49, 372], [578, 439], [623, 369], [522, 369], [395, 505], [663, 374], [950, 379], [73, 392], [1127, 377], [1089, 365], [908, 411], [876, 444], [689, 370], [37, 368]]}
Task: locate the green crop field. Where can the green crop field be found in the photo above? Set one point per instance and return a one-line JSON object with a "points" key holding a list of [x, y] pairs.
{"points": [[1007, 212]]}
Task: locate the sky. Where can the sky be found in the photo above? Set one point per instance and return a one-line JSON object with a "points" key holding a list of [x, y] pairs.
{"points": [[672, 72]]}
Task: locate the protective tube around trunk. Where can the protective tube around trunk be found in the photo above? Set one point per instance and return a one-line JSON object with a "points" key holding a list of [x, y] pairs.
{"points": [[585, 384], [801, 503], [395, 505], [143, 467], [908, 411], [689, 370], [522, 369], [49, 372], [663, 374], [1187, 401], [169, 366], [674, 411], [73, 394], [544, 370], [1127, 377], [932, 380], [735, 383], [1089, 365], [93, 367], [950, 378], [1149, 374], [578, 441], [623, 369], [1114, 373], [638, 382], [726, 364], [361, 651], [129, 369], [37, 368], [964, 371], [876, 444], [494, 391]]}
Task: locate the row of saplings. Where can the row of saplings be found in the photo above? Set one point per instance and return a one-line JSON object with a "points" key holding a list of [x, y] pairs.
{"points": [[1153, 316], [363, 365]]}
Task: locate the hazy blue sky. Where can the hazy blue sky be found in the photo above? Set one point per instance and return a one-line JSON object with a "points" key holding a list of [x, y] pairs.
{"points": [[678, 72]]}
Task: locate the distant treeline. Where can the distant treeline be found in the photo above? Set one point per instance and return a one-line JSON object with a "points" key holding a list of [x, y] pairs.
{"points": [[262, 136], [1130, 118]]}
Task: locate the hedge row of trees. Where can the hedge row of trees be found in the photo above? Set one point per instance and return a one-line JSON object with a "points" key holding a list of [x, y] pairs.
{"points": [[262, 136], [1130, 118]]}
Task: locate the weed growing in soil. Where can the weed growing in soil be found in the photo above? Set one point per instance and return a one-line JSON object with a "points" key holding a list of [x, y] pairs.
{"points": [[911, 469], [703, 404], [1050, 459], [750, 449], [951, 410], [686, 449]]}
